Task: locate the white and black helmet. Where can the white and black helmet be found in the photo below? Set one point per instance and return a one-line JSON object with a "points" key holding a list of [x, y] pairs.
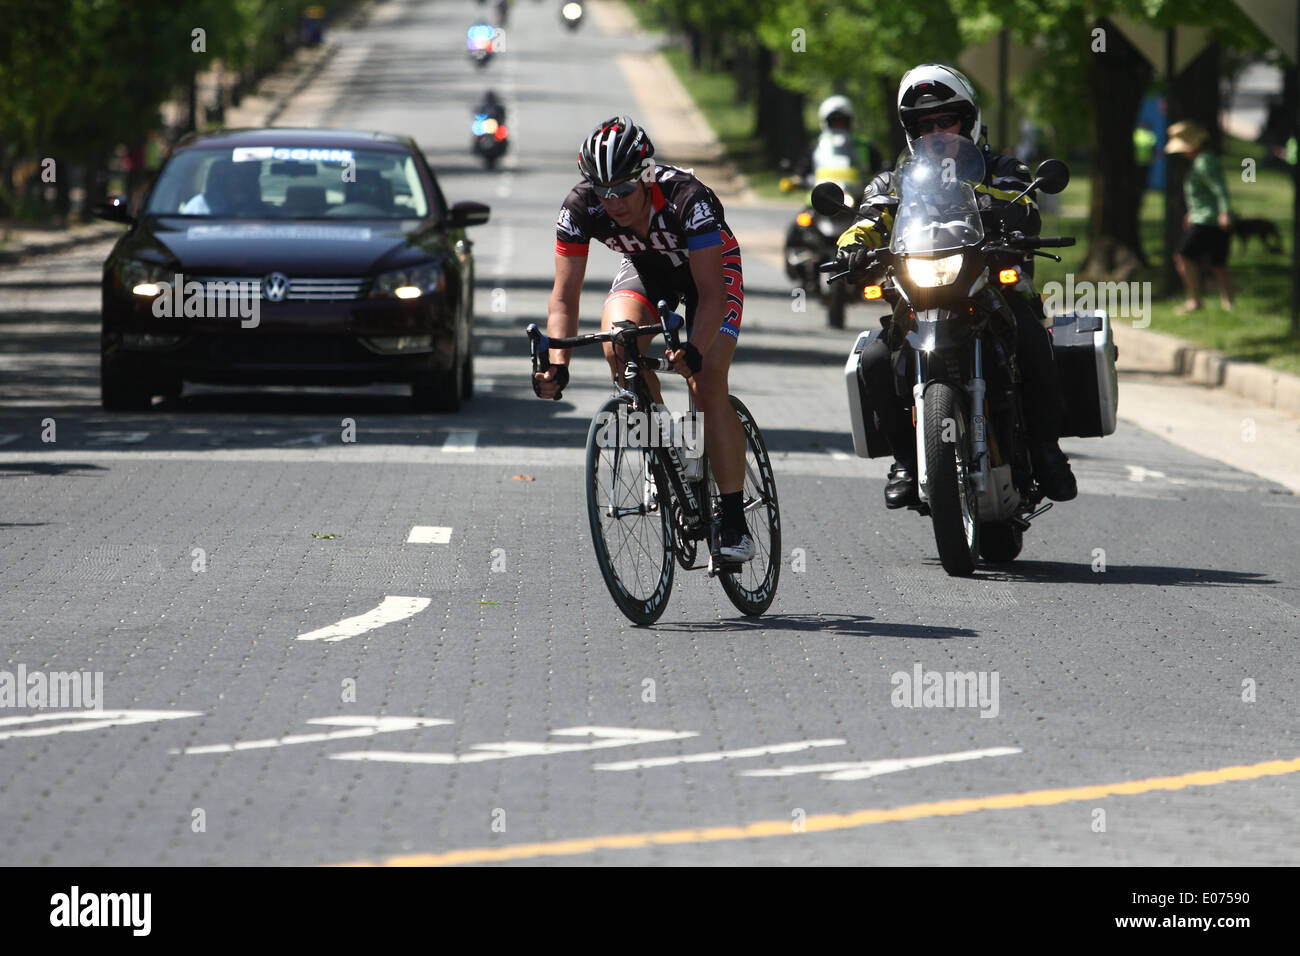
{"points": [[614, 150], [936, 88], [833, 105]]}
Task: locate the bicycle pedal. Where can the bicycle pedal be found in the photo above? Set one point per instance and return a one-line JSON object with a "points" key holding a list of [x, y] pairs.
{"points": [[718, 566]]}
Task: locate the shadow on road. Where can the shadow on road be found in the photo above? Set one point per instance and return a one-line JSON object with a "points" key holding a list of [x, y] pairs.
{"points": [[1058, 572], [848, 625]]}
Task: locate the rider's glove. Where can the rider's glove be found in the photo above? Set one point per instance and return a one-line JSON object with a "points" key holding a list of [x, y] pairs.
{"points": [[858, 257], [561, 379], [694, 360]]}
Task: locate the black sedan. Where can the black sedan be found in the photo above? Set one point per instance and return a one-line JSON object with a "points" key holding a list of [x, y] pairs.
{"points": [[291, 256]]}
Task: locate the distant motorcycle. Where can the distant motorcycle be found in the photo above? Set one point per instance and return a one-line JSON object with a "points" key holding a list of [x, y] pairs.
{"points": [[480, 43], [491, 139], [571, 14], [811, 240]]}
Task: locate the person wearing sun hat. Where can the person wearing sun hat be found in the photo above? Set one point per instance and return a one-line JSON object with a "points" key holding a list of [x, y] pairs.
{"points": [[1209, 215]]}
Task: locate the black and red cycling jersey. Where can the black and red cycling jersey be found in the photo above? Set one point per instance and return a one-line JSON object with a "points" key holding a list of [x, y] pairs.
{"points": [[687, 215]]}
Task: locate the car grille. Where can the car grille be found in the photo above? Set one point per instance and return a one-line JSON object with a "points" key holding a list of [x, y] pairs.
{"points": [[301, 289]]}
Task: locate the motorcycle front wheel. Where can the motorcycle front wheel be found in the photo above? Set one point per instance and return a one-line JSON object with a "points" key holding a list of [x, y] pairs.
{"points": [[954, 505]]}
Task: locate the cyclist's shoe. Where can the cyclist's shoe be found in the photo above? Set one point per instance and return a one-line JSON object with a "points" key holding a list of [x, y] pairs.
{"points": [[900, 489], [735, 546], [1052, 470]]}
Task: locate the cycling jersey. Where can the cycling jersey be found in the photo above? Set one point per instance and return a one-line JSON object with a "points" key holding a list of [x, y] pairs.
{"points": [[686, 216]]}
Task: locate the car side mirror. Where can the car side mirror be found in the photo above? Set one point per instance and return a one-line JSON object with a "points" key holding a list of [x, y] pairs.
{"points": [[1052, 175], [828, 199], [114, 210], [463, 214]]}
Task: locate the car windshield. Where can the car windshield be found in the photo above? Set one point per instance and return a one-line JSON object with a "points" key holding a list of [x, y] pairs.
{"points": [[270, 182], [937, 209]]}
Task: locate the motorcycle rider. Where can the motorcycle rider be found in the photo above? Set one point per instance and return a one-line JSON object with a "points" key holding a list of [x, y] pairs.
{"points": [[934, 97], [491, 107], [839, 154]]}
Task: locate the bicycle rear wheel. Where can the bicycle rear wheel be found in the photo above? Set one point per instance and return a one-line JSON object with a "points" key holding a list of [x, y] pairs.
{"points": [[628, 497], [753, 587]]}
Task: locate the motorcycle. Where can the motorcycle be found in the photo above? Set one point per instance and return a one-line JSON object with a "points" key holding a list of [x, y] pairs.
{"points": [[480, 43], [571, 14], [811, 239], [947, 271], [491, 139]]}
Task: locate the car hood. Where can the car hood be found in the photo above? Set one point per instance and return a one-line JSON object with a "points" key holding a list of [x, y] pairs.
{"points": [[297, 248]]}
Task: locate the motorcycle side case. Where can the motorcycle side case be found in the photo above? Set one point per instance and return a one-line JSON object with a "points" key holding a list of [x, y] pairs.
{"points": [[868, 440], [1085, 364]]}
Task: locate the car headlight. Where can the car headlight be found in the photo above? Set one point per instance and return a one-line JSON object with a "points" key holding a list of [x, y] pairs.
{"points": [[931, 273], [142, 278], [410, 283]]}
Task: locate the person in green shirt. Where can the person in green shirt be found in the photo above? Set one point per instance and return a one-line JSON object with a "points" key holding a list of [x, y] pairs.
{"points": [[1209, 216]]}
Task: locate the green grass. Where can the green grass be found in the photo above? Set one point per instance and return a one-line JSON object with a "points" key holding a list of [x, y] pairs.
{"points": [[1258, 328]]}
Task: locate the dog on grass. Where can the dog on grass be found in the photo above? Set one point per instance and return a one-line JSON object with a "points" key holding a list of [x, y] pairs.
{"points": [[1247, 229]]}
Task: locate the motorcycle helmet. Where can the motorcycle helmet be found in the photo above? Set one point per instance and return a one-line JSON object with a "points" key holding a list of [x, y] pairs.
{"points": [[933, 88], [834, 106]]}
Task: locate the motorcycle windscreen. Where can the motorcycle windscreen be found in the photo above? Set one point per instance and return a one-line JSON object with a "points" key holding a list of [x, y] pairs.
{"points": [[937, 210]]}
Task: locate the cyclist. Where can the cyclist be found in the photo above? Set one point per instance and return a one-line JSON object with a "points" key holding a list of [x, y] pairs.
{"points": [[676, 245]]}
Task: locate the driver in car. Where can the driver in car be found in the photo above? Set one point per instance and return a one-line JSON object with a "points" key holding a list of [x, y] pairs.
{"points": [[232, 189], [933, 98]]}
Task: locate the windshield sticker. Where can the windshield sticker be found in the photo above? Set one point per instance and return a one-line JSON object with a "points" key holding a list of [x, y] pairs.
{"points": [[249, 154], [254, 231]]}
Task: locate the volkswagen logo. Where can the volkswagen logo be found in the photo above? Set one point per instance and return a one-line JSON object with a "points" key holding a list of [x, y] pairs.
{"points": [[275, 287]]}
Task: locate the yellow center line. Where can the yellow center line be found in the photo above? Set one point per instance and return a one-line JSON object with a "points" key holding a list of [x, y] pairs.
{"points": [[845, 821]]}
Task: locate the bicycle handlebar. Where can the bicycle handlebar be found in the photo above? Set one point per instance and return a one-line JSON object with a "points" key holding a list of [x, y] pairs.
{"points": [[540, 343]]}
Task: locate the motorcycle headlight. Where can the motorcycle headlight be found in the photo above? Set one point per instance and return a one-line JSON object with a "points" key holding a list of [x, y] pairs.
{"points": [[931, 273], [410, 283], [571, 11], [142, 278]]}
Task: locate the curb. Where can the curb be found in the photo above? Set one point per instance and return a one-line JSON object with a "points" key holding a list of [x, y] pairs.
{"points": [[1198, 365]]}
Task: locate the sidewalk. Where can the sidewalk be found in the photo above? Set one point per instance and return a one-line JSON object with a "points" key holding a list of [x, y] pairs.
{"points": [[260, 107]]}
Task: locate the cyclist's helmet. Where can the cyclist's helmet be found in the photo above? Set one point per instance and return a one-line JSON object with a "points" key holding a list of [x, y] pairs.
{"points": [[614, 150], [933, 88], [834, 106]]}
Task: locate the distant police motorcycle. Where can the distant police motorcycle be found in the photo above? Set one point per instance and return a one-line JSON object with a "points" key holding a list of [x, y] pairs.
{"points": [[947, 272], [571, 14], [481, 43], [491, 138]]}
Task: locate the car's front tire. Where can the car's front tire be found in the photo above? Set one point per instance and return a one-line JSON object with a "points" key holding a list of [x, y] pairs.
{"points": [[120, 391], [439, 391]]}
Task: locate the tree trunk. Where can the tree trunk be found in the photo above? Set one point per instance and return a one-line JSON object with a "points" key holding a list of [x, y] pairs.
{"points": [[1117, 80], [1198, 93], [778, 120]]}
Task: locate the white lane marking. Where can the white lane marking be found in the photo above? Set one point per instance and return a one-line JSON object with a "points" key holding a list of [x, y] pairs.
{"points": [[87, 720], [361, 727], [428, 534], [487, 347], [862, 769], [464, 441], [720, 755], [392, 608], [116, 438], [317, 438], [605, 737], [838, 455], [6, 439]]}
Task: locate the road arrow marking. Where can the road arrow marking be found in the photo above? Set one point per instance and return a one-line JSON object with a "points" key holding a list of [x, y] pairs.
{"points": [[719, 755], [605, 737], [428, 534], [361, 727], [390, 609], [862, 769], [86, 720]]}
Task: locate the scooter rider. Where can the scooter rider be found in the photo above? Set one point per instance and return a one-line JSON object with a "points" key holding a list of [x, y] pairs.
{"points": [[933, 97]]}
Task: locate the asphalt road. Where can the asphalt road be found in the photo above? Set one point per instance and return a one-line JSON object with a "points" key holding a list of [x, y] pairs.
{"points": [[508, 710]]}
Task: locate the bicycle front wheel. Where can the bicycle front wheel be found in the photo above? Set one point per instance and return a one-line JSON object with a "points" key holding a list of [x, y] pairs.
{"points": [[628, 497], [753, 587]]}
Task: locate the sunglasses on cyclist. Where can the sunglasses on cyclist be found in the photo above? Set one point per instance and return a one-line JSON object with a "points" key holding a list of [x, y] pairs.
{"points": [[940, 122], [617, 191]]}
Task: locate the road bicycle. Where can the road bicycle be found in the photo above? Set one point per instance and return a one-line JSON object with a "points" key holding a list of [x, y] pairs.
{"points": [[651, 497]]}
